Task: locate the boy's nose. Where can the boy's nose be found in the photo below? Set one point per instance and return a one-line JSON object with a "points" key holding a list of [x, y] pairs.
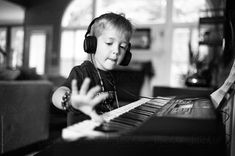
{"points": [[116, 50]]}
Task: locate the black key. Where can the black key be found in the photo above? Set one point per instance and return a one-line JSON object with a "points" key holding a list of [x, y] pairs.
{"points": [[124, 122], [129, 121], [135, 116], [152, 105], [120, 125], [141, 112], [145, 109]]}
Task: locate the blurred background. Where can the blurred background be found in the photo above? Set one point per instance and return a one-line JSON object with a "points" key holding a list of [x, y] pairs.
{"points": [[179, 38]]}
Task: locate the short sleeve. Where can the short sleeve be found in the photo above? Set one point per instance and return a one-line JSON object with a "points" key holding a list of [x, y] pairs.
{"points": [[75, 73]]}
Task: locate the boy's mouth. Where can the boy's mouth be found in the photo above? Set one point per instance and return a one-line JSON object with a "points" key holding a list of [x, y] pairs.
{"points": [[113, 60]]}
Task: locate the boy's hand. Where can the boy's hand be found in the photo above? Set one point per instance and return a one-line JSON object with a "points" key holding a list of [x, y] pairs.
{"points": [[85, 100]]}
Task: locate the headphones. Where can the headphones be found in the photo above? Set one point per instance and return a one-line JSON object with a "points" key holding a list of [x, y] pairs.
{"points": [[90, 44]]}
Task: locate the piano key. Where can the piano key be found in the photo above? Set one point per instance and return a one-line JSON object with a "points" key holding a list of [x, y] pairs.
{"points": [[160, 101], [141, 112], [120, 125], [135, 116], [151, 109], [112, 127], [128, 120], [119, 111], [147, 109], [125, 122], [152, 105], [81, 128]]}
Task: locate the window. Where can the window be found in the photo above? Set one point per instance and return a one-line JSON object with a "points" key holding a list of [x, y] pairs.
{"points": [[37, 52], [11, 46], [3, 34], [180, 48], [3, 38], [17, 38], [78, 14], [187, 10], [74, 24], [139, 11], [37, 47], [185, 32], [72, 52]]}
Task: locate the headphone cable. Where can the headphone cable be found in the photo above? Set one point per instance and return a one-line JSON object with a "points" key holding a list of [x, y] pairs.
{"points": [[133, 95], [129, 92], [126, 91]]}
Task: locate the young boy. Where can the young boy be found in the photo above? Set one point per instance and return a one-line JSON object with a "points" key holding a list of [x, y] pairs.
{"points": [[90, 88]]}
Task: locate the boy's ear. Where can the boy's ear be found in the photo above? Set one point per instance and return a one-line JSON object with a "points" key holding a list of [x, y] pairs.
{"points": [[90, 44]]}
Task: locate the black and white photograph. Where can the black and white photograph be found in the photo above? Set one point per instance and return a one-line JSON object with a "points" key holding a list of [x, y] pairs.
{"points": [[117, 77]]}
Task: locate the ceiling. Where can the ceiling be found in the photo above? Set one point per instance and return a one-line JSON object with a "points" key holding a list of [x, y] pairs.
{"points": [[11, 13]]}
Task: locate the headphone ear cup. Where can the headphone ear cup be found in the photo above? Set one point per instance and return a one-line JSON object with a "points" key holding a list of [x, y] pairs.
{"points": [[127, 58], [90, 44]]}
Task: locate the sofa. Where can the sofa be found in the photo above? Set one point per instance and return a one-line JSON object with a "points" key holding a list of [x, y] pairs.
{"points": [[24, 113]]}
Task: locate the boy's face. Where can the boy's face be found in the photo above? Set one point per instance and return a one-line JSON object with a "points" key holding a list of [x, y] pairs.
{"points": [[111, 48]]}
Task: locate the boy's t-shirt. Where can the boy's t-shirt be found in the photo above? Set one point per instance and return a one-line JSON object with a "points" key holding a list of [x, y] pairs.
{"points": [[87, 69]]}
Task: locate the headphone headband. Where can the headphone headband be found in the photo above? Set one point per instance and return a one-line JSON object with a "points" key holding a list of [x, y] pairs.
{"points": [[90, 25]]}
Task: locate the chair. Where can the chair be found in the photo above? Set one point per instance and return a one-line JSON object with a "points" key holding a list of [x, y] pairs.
{"points": [[24, 113]]}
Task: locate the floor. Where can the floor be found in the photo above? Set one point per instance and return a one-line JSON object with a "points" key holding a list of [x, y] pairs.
{"points": [[33, 149]]}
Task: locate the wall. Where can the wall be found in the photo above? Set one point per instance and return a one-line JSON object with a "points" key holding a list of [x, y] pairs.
{"points": [[48, 13], [159, 54]]}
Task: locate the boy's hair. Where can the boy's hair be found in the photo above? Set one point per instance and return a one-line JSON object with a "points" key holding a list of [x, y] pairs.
{"points": [[116, 20]]}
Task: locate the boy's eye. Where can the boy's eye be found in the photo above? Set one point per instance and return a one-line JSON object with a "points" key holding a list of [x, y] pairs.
{"points": [[109, 43], [123, 47]]}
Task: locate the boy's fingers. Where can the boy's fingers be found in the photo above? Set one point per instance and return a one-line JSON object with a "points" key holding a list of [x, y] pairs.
{"points": [[99, 98], [95, 117], [74, 86], [93, 91], [85, 86]]}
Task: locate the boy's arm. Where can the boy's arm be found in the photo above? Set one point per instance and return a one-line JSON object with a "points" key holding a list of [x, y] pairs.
{"points": [[57, 96], [84, 99]]}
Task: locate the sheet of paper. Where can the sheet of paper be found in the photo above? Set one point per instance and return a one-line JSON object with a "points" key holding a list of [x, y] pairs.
{"points": [[218, 95]]}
